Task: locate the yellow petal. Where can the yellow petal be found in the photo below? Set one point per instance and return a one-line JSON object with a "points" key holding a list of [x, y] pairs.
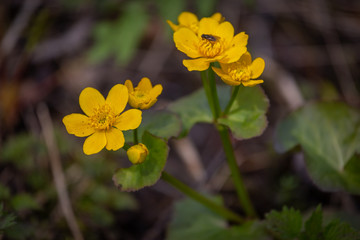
{"points": [[257, 67], [187, 19], [208, 26], [128, 120], [225, 77], [129, 86], [94, 143], [117, 98], [77, 124], [115, 139], [218, 71], [246, 57], [218, 17], [226, 32], [225, 67], [186, 41], [240, 39], [156, 91], [173, 26], [232, 54], [199, 64], [89, 99], [144, 85], [251, 83]]}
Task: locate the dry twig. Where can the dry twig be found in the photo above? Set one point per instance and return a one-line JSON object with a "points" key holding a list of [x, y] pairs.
{"points": [[56, 168]]}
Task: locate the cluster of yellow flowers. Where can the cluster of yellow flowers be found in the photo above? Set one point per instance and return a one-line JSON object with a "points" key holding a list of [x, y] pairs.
{"points": [[104, 119], [212, 40], [206, 41]]}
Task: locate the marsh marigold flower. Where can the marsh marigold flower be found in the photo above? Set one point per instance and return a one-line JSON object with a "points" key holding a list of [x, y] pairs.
{"points": [[102, 123], [213, 42], [144, 95], [137, 153], [243, 71], [191, 21]]}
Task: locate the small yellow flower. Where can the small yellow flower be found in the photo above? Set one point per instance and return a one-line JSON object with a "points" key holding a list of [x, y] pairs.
{"points": [[190, 20], [103, 123], [137, 153], [213, 42], [144, 95], [242, 71]]}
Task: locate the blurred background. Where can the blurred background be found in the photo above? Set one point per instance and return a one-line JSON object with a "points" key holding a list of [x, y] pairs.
{"points": [[51, 49]]}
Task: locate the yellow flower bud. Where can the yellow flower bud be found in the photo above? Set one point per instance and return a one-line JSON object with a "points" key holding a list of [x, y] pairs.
{"points": [[137, 153], [144, 95]]}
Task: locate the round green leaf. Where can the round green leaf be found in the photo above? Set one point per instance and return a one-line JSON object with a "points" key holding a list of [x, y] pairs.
{"points": [[146, 173], [329, 134], [247, 116], [163, 124], [192, 109]]}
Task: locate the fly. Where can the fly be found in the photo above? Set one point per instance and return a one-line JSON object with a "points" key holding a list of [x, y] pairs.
{"points": [[209, 37]]}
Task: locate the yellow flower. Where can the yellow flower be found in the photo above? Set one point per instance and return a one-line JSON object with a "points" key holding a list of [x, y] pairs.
{"points": [[190, 20], [144, 95], [137, 153], [242, 71], [213, 42], [103, 123]]}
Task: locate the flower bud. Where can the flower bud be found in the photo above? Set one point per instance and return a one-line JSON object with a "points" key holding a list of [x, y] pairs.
{"points": [[137, 153]]}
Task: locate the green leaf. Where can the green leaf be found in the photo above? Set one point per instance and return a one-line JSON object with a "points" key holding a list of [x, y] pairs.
{"points": [[192, 109], [284, 225], [163, 124], [246, 118], [313, 226], [192, 220], [24, 201], [329, 134], [120, 37], [146, 173], [337, 230], [20, 149], [6, 220]]}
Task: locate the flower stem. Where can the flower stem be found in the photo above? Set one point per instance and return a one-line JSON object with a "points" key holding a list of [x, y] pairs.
{"points": [[136, 139], [208, 92], [236, 176], [213, 92], [222, 211], [232, 99]]}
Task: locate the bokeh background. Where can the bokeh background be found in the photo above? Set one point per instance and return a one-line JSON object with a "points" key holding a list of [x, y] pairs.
{"points": [[51, 49]]}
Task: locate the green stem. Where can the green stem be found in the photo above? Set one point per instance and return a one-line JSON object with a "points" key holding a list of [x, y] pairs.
{"points": [[238, 182], [232, 99], [136, 139], [213, 92], [222, 211], [208, 92], [126, 146]]}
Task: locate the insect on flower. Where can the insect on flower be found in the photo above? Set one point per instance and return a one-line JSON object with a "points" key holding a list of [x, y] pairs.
{"points": [[209, 37]]}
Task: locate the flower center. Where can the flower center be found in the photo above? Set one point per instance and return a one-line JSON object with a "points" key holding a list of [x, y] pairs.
{"points": [[239, 72], [210, 45], [142, 96], [103, 118]]}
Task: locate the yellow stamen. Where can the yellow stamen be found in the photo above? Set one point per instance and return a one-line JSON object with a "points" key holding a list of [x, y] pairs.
{"points": [[210, 48], [142, 96], [103, 118], [239, 71]]}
